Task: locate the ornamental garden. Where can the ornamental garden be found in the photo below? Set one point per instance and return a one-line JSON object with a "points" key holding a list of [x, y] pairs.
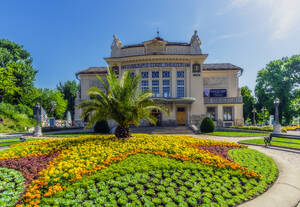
{"points": [[144, 170]]}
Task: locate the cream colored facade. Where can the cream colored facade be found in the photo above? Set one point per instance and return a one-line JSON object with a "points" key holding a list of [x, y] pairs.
{"points": [[177, 74]]}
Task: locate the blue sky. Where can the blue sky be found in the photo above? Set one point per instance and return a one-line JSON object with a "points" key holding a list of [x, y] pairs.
{"points": [[67, 36]]}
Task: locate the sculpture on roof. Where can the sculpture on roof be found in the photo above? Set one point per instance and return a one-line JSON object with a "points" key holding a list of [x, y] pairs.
{"points": [[116, 42], [115, 46], [195, 43]]}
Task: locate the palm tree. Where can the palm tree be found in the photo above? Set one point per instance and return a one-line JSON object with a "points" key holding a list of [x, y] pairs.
{"points": [[121, 101]]}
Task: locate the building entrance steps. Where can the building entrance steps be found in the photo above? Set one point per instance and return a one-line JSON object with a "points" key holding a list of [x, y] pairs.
{"points": [[162, 130]]}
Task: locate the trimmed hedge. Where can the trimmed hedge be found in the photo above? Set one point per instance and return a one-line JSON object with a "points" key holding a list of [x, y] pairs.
{"points": [[207, 125]]}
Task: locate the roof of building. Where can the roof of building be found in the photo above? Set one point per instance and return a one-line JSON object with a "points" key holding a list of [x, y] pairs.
{"points": [[93, 70], [210, 66], [220, 66]]}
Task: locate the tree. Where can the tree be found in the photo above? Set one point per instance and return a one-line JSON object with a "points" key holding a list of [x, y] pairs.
{"points": [[69, 89], [8, 82], [248, 101], [280, 78], [121, 101], [47, 97], [15, 56]]}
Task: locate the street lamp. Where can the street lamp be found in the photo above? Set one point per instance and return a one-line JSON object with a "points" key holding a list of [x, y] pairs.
{"points": [[277, 126], [38, 129], [263, 110], [254, 111]]}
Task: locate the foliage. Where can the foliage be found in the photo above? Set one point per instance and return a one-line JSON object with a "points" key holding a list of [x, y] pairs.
{"points": [[142, 180], [16, 62], [47, 96], [292, 127], [16, 117], [248, 101], [207, 125], [11, 186], [86, 155], [101, 127], [259, 128], [8, 82], [70, 90], [121, 101], [262, 142], [280, 78]]}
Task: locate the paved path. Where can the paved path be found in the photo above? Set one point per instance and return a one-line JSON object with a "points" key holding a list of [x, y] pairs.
{"points": [[285, 192]]}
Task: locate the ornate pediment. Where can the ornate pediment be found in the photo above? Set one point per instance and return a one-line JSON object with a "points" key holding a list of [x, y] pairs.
{"points": [[155, 46]]}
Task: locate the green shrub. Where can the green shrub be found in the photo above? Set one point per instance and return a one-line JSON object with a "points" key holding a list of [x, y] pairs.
{"points": [[207, 125], [16, 117], [101, 127]]}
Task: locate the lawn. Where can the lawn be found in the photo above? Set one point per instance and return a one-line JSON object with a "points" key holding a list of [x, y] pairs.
{"points": [[237, 134], [13, 141], [146, 170], [261, 142]]}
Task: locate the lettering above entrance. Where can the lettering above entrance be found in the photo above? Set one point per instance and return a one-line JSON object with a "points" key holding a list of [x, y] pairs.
{"points": [[156, 65]]}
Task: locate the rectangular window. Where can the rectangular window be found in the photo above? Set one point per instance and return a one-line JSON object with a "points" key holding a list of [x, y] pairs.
{"points": [[211, 113], [166, 74], [166, 88], [131, 74], [227, 113], [155, 88], [180, 74], [155, 74], [145, 85], [180, 88], [144, 74]]}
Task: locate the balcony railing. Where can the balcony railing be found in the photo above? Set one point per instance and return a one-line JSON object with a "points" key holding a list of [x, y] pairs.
{"points": [[223, 100]]}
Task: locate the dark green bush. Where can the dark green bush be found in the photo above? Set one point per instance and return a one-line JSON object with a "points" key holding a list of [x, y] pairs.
{"points": [[207, 125], [101, 127]]}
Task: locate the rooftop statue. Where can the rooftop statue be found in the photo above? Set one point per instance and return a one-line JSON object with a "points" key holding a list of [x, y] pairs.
{"points": [[195, 43], [116, 43]]}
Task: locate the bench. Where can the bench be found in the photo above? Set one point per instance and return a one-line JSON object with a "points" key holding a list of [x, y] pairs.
{"points": [[268, 139]]}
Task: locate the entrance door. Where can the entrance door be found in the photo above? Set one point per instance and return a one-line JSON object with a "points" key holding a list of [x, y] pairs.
{"points": [[180, 116], [157, 115]]}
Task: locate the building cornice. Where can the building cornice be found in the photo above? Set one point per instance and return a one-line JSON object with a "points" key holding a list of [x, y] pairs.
{"points": [[160, 57]]}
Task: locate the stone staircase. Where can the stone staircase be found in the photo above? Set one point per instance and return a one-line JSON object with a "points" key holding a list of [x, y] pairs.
{"points": [[162, 130]]}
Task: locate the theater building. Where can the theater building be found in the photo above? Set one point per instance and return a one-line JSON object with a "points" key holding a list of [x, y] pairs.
{"points": [[180, 79]]}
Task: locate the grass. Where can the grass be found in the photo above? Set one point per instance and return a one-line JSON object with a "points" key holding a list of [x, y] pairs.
{"points": [[237, 134], [261, 142], [14, 141]]}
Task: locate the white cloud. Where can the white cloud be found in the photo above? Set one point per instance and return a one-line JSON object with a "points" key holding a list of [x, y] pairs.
{"points": [[283, 16]]}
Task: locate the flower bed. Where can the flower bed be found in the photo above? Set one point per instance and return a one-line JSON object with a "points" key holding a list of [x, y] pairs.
{"points": [[259, 128], [95, 161]]}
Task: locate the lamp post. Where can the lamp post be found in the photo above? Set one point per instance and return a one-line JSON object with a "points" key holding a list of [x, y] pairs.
{"points": [[277, 126], [38, 129], [263, 110], [52, 119], [254, 111]]}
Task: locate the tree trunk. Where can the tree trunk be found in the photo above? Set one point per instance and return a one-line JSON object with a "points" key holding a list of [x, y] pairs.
{"points": [[122, 132]]}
